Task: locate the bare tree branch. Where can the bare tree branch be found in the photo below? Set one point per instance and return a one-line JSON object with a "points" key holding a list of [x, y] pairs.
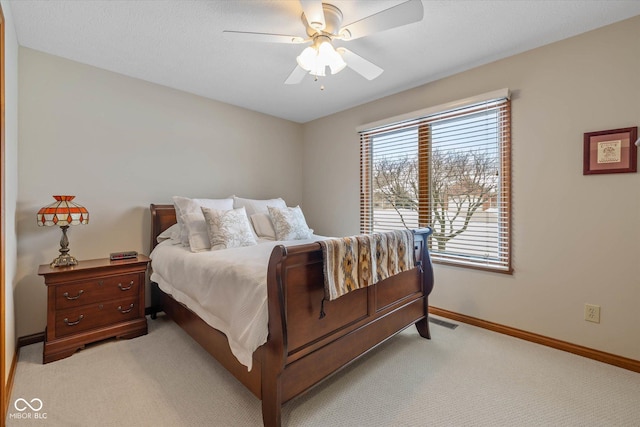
{"points": [[461, 183]]}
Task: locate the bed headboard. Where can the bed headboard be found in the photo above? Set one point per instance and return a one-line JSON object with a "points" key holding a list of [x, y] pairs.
{"points": [[162, 217]]}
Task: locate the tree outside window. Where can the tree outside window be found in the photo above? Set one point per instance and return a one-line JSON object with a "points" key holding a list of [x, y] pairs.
{"points": [[448, 174]]}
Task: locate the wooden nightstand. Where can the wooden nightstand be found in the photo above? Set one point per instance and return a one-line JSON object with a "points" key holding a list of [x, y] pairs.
{"points": [[92, 301]]}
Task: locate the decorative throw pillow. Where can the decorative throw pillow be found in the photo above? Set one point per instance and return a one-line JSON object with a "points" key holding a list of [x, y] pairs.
{"points": [[289, 223], [228, 229], [194, 228]]}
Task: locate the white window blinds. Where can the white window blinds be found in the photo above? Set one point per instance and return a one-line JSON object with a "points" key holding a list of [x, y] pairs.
{"points": [[450, 170]]}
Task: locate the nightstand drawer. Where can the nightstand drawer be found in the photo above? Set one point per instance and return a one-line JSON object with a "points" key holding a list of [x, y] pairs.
{"points": [[94, 290], [95, 315]]}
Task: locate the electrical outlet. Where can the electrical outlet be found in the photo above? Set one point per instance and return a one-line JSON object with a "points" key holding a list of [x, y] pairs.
{"points": [[592, 313]]}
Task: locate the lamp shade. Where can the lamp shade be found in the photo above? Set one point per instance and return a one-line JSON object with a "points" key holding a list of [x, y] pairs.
{"points": [[63, 212]]}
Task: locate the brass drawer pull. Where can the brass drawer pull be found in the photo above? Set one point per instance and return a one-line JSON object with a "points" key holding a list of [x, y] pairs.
{"points": [[125, 311], [125, 289], [66, 295], [73, 323]]}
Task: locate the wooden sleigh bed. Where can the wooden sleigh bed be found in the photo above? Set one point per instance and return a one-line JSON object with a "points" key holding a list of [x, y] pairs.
{"points": [[302, 349]]}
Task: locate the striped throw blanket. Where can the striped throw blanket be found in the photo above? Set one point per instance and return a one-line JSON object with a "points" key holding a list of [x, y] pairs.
{"points": [[356, 262]]}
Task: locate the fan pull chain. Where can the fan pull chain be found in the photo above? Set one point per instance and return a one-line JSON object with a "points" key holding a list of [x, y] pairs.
{"points": [[315, 79]]}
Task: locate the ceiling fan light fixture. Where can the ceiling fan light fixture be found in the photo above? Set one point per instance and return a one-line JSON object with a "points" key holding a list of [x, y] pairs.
{"points": [[318, 71], [336, 68], [332, 58], [308, 58], [316, 58]]}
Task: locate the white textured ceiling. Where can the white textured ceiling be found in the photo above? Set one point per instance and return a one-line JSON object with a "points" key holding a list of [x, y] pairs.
{"points": [[179, 43]]}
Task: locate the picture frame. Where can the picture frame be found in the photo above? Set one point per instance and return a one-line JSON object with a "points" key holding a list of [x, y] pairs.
{"points": [[610, 151]]}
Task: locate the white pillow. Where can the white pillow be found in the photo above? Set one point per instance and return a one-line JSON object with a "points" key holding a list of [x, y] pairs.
{"points": [[194, 229], [228, 229], [184, 234], [172, 232], [289, 223], [263, 226], [255, 205]]}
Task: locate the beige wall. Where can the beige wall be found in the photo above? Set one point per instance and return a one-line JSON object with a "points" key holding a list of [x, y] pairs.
{"points": [[11, 179], [119, 144], [576, 238]]}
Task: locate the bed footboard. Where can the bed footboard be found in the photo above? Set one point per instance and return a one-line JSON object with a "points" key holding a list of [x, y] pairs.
{"points": [[304, 349]]}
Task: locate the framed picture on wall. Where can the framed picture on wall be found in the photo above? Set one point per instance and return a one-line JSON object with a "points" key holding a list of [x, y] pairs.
{"points": [[610, 151]]}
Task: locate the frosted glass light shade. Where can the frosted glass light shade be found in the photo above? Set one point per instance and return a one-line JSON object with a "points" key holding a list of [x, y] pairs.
{"points": [[307, 59], [316, 58], [336, 64]]}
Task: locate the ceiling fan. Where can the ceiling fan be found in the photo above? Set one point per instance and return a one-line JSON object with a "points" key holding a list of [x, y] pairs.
{"points": [[323, 24]]}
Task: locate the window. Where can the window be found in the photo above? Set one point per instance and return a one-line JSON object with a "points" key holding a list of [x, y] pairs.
{"points": [[449, 168]]}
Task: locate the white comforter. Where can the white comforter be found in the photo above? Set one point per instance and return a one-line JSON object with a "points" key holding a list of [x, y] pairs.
{"points": [[226, 288]]}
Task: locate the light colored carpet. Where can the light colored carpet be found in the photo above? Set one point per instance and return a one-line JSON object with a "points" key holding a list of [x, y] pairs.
{"points": [[462, 377]]}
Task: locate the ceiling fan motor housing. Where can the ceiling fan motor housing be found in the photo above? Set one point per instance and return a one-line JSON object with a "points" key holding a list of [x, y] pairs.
{"points": [[332, 19]]}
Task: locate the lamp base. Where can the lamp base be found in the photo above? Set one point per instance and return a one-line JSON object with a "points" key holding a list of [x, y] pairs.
{"points": [[63, 260]]}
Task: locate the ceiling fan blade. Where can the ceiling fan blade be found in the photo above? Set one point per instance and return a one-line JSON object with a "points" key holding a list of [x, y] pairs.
{"points": [[397, 16], [313, 12], [261, 37], [360, 65], [296, 76]]}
